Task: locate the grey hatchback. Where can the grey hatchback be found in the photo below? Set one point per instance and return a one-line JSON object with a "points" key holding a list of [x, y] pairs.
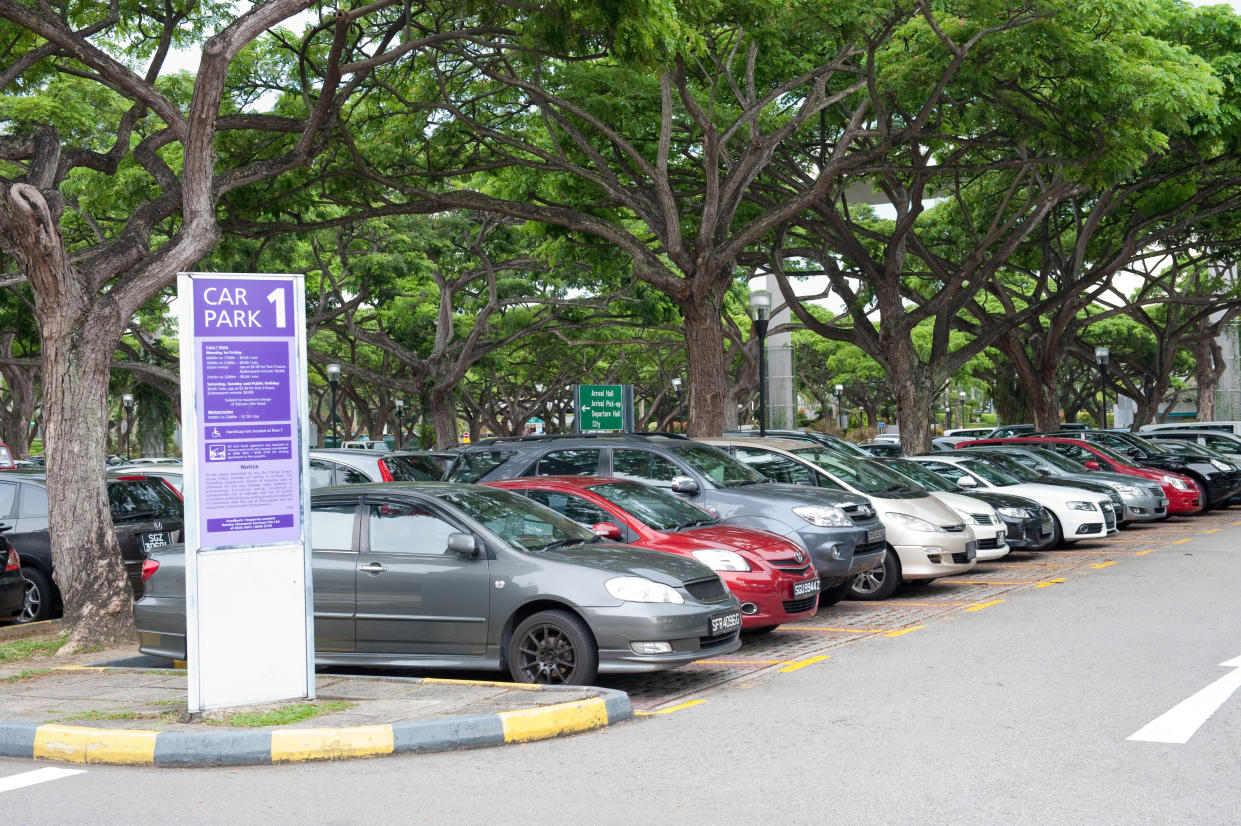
{"points": [[839, 530], [439, 575]]}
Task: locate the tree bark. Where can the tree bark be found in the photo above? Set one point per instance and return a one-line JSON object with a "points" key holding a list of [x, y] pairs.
{"points": [[1208, 371], [15, 419], [443, 409], [705, 364]]}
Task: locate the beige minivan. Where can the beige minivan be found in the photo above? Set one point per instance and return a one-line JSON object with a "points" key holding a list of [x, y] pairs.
{"points": [[929, 538]]}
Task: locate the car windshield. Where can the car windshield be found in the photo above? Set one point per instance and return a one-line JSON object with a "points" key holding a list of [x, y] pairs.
{"points": [[653, 507], [517, 520], [409, 468], [1051, 457], [921, 474], [722, 469], [1011, 466], [866, 476], [144, 500], [472, 466], [991, 473]]}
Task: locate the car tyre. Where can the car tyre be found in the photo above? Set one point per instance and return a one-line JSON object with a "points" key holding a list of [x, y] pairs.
{"points": [[833, 595], [553, 647], [38, 604], [1202, 495], [1057, 533], [877, 583]]}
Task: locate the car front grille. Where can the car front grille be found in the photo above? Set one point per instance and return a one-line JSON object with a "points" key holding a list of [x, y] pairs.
{"points": [[982, 519], [707, 590], [961, 559], [790, 564], [988, 544], [796, 606], [1154, 490], [1117, 501], [868, 547], [860, 514]]}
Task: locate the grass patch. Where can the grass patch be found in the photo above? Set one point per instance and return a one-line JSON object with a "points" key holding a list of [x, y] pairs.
{"points": [[282, 716], [107, 715], [167, 703], [34, 647], [28, 674]]}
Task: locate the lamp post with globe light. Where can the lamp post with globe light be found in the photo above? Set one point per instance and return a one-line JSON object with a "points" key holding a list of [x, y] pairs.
{"points": [[128, 400], [333, 378], [1101, 355], [760, 302]]}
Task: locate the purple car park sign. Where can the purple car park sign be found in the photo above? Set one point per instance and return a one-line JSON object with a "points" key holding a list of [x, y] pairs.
{"points": [[244, 417]]}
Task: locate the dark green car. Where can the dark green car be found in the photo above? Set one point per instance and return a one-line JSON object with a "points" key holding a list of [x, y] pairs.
{"points": [[440, 575]]}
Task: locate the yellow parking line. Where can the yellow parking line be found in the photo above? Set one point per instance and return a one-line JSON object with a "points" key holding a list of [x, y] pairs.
{"points": [[669, 710], [1145, 552], [983, 582], [1049, 583], [842, 630], [1181, 541], [888, 603], [1103, 564], [803, 663], [983, 605], [904, 631], [1214, 530]]}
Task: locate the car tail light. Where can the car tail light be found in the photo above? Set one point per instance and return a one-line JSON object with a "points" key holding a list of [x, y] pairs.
{"points": [[129, 478], [12, 563], [149, 567], [384, 473]]}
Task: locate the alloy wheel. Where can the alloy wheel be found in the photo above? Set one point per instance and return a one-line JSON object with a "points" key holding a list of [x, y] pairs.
{"points": [[547, 655]]}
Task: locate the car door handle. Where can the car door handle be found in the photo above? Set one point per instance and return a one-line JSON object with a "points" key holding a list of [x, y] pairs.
{"points": [[373, 568]]}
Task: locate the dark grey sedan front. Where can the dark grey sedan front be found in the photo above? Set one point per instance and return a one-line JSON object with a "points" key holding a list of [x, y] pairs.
{"points": [[440, 575]]}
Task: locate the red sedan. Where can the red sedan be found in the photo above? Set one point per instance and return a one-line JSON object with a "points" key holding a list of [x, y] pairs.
{"points": [[1181, 491], [772, 577]]}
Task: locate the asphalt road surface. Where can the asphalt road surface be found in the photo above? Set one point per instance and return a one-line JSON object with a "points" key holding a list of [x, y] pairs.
{"points": [[1093, 685]]}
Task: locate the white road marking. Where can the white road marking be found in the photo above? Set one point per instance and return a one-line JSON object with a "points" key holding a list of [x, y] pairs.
{"points": [[1185, 718], [33, 778]]}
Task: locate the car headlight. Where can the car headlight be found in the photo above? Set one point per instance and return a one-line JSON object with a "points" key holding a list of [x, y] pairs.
{"points": [[1177, 482], [913, 523], [1218, 465], [718, 559], [1081, 506], [825, 516], [1015, 513], [640, 589], [1128, 490]]}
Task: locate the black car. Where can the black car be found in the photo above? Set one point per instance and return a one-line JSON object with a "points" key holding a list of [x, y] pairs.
{"points": [[146, 513], [12, 586], [1217, 480], [839, 530], [1028, 524]]}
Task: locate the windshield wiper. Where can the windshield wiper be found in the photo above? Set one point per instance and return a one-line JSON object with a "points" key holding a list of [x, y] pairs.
{"points": [[693, 523], [897, 489], [137, 516]]}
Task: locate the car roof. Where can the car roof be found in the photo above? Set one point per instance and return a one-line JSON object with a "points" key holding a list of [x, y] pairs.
{"points": [[775, 442], [638, 438], [581, 482], [389, 488]]}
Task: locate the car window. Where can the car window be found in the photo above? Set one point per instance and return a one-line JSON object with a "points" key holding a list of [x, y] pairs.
{"points": [[140, 500], [33, 501], [570, 506], [777, 468], [949, 471], [320, 473], [399, 527], [580, 462], [331, 526], [8, 498], [653, 507], [517, 520], [474, 465], [721, 468], [6, 458], [867, 476], [412, 469], [645, 466], [1074, 452], [350, 476]]}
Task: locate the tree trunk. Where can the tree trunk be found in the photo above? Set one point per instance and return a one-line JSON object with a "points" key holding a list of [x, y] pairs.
{"points": [[1210, 368], [15, 419], [443, 408], [708, 373]]}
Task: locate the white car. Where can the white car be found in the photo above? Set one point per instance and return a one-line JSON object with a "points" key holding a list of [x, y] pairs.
{"points": [[1078, 513], [929, 538], [987, 525]]}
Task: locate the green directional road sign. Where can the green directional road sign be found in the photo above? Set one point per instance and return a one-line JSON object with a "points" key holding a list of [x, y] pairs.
{"points": [[601, 407]]}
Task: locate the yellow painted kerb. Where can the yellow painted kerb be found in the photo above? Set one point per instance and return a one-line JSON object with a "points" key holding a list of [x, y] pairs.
{"points": [[553, 721], [331, 743], [77, 744]]}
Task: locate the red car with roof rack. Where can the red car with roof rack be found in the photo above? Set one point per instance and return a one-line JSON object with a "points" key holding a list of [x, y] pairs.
{"points": [[772, 577], [1181, 491]]}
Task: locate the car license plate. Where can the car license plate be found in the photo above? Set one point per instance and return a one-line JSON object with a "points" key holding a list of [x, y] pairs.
{"points": [[1045, 527], [874, 535], [724, 624], [971, 551], [801, 589], [151, 541], [1163, 503]]}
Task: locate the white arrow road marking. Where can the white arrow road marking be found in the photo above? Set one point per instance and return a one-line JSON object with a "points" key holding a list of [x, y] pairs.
{"points": [[1185, 718], [21, 781]]}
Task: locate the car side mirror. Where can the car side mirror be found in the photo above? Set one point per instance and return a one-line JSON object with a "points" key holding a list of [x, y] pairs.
{"points": [[1091, 464], [606, 529], [684, 484], [463, 544], [967, 482]]}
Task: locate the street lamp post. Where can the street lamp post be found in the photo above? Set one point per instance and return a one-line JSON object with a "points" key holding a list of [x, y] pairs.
{"points": [[400, 414], [676, 390], [1101, 356], [961, 396], [333, 378], [841, 420], [128, 400], [760, 302]]}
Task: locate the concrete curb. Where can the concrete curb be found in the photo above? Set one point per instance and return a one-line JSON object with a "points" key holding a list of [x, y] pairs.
{"points": [[138, 747]]}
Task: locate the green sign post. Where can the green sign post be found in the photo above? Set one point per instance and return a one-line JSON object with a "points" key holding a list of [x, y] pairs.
{"points": [[603, 408]]}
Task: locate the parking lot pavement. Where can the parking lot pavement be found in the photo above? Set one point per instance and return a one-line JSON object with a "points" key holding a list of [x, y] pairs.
{"points": [[810, 642], [135, 716]]}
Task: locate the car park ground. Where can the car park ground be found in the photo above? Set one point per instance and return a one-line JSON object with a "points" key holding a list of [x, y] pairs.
{"points": [[1010, 694]]}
